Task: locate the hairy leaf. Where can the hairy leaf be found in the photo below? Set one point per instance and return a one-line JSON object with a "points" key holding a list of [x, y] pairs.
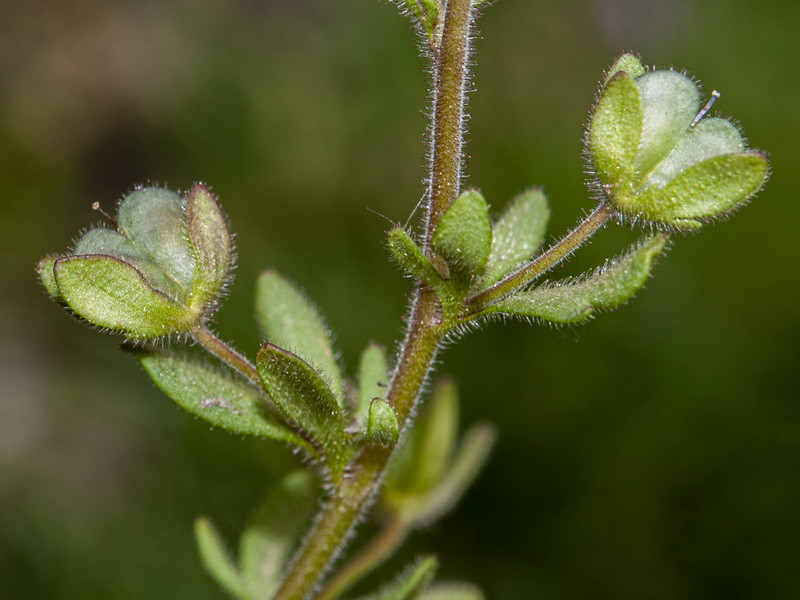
{"points": [[211, 241], [573, 301], [464, 234], [518, 234], [411, 583], [452, 591], [289, 320], [382, 427], [373, 377]]}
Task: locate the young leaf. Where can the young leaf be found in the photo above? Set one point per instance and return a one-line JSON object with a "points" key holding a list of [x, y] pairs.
{"points": [[382, 427], [373, 377], [111, 293], [425, 456], [305, 398], [573, 301], [210, 239], [616, 130], [628, 63], [46, 270], [216, 558], [469, 460], [518, 234], [411, 583], [411, 258], [215, 396], [464, 234], [452, 591], [290, 321], [275, 530]]}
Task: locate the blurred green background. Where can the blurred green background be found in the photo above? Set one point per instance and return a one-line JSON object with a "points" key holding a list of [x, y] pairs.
{"points": [[653, 453]]}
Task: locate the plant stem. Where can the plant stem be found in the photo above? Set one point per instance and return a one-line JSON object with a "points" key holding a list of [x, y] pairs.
{"points": [[425, 331], [227, 354], [450, 76], [543, 263], [382, 546]]}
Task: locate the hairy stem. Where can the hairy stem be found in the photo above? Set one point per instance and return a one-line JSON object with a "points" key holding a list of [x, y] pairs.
{"points": [[425, 330], [544, 262], [382, 546], [450, 77], [226, 353]]}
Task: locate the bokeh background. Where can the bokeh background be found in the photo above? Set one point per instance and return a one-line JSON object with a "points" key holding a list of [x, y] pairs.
{"points": [[651, 454]]}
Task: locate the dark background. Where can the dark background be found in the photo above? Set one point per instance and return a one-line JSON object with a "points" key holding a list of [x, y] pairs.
{"points": [[652, 453]]}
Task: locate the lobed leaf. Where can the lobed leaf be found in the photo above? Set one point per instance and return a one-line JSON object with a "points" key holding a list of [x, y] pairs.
{"points": [[216, 558], [215, 396], [274, 532], [464, 234], [573, 301], [289, 320], [517, 235]]}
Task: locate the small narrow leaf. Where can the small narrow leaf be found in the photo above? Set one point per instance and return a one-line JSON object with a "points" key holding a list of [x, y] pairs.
{"points": [[289, 320], [382, 426], [274, 532], [215, 396], [464, 234], [111, 293], [518, 234], [210, 239], [424, 458], [411, 258], [216, 558], [452, 591], [573, 301], [472, 454], [411, 583], [373, 377], [304, 397], [46, 270], [628, 63], [616, 130]]}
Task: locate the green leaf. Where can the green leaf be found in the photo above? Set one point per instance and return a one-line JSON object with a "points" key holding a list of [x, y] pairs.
{"points": [[426, 12], [452, 591], [472, 454], [616, 129], [411, 583], [290, 321], [373, 377], [274, 532], [629, 63], [424, 458], [216, 558], [710, 188], [573, 301], [111, 293], [153, 219], [305, 398], [382, 426], [670, 101], [518, 234], [411, 258], [211, 242], [46, 271], [464, 234], [215, 396]]}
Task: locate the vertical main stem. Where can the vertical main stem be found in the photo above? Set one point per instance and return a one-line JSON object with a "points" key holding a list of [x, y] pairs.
{"points": [[450, 79], [347, 505]]}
